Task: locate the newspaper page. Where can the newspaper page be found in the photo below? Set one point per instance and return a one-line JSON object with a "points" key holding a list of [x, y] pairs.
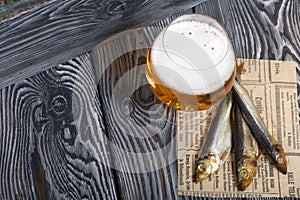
{"points": [[273, 87]]}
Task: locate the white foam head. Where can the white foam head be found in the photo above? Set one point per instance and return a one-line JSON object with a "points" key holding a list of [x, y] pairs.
{"points": [[193, 55]]}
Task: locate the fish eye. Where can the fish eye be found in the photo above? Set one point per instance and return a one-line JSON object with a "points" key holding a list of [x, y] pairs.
{"points": [[244, 174], [204, 167], [280, 159], [278, 148]]}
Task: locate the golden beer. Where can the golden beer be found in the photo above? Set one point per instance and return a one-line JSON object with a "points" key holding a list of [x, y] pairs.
{"points": [[191, 64]]}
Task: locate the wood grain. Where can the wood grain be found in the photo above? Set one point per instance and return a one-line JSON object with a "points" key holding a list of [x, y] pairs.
{"points": [[63, 29], [138, 122], [53, 137], [253, 37], [259, 29], [91, 128]]}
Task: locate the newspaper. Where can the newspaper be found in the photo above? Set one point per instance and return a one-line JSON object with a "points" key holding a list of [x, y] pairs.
{"points": [[273, 88]]}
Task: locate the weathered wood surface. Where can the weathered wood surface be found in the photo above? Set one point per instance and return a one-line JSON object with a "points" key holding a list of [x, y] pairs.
{"points": [[138, 122], [52, 137], [63, 29], [91, 128], [265, 36]]}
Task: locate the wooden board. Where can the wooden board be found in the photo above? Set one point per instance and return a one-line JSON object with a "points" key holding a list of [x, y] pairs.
{"points": [[247, 34], [65, 132], [63, 29], [140, 126], [52, 137], [259, 29]]}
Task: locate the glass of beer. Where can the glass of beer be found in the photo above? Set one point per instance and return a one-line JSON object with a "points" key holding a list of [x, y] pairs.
{"points": [[191, 63]]}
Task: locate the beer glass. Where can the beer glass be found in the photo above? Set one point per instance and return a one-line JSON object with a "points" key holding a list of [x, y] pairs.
{"points": [[191, 63]]}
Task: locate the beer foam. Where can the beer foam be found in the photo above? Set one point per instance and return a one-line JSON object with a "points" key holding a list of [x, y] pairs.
{"points": [[193, 57]]}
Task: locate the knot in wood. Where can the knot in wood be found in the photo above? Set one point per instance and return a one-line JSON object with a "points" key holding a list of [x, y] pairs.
{"points": [[127, 106], [59, 104]]}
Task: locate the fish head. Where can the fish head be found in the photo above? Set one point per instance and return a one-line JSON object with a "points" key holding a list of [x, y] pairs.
{"points": [[246, 172], [205, 167], [280, 157]]}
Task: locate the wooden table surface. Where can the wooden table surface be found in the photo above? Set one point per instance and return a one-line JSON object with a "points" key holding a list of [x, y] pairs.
{"points": [[90, 128]]}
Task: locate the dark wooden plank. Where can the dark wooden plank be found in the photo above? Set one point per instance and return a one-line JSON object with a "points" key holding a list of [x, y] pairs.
{"points": [[140, 127], [64, 29], [52, 137], [121, 146], [134, 120], [11, 8]]}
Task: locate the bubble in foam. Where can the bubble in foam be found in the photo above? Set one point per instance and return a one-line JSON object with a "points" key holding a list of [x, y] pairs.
{"points": [[193, 56]]}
